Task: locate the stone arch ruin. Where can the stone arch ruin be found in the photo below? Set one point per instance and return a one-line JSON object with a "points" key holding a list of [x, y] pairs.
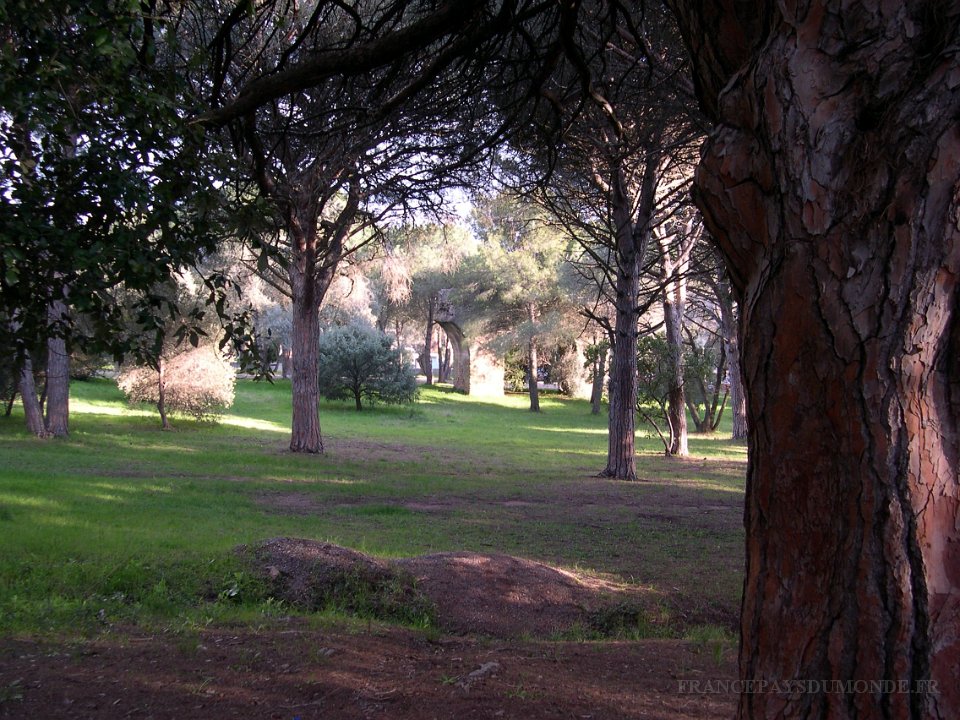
{"points": [[477, 370]]}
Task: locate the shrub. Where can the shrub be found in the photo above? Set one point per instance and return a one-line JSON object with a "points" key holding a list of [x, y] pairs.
{"points": [[361, 363], [197, 383]]}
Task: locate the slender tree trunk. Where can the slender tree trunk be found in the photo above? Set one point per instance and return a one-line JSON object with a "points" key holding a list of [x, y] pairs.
{"points": [[533, 364], [28, 395], [676, 398], [632, 231], [284, 361], [162, 393], [621, 460], [444, 363], [10, 402], [427, 363], [728, 328], [831, 186], [58, 377], [701, 424], [599, 373], [673, 273]]}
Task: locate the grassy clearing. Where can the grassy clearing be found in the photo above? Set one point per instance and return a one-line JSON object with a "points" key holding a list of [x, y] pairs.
{"points": [[122, 522]]}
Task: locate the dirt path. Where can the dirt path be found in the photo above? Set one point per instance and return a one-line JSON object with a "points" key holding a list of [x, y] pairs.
{"points": [[293, 671]]}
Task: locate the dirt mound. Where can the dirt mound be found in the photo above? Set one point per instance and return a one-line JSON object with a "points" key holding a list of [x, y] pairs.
{"points": [[500, 595], [496, 595], [316, 575]]}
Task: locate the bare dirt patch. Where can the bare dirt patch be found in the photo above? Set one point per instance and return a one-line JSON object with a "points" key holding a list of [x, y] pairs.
{"points": [[368, 450], [292, 671], [504, 596]]}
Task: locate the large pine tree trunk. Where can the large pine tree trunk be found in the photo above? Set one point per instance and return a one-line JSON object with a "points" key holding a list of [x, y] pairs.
{"points": [[305, 341], [831, 185], [58, 378]]}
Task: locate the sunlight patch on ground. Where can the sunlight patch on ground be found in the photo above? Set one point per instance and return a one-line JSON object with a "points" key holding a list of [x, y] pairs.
{"points": [[30, 502], [698, 483], [312, 481], [249, 423], [84, 407], [104, 497], [572, 431]]}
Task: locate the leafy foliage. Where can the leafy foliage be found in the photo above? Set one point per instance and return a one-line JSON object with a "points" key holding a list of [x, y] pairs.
{"points": [[704, 368], [103, 181], [197, 383], [361, 363], [653, 385]]}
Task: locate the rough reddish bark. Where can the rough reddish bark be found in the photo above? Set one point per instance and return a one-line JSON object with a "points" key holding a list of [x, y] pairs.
{"points": [[830, 184]]}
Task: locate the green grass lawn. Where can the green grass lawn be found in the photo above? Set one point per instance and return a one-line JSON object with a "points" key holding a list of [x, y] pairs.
{"points": [[123, 522]]}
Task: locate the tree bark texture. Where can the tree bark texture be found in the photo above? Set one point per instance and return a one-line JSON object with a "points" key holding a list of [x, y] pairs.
{"points": [[32, 413], [830, 185], [305, 433], [621, 453], [58, 378]]}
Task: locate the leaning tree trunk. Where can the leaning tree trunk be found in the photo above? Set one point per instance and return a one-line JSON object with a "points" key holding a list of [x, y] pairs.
{"points": [[28, 395], [831, 186], [58, 377]]}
